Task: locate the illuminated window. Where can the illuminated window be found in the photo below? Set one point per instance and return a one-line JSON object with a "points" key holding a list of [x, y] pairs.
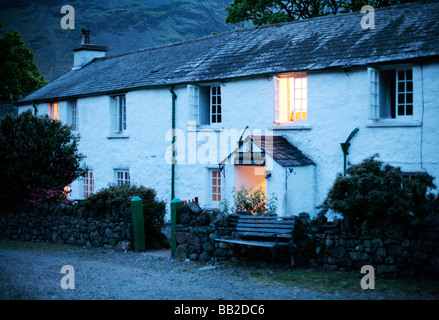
{"points": [[391, 93], [215, 185], [122, 177], [119, 113], [53, 111], [290, 98], [88, 184]]}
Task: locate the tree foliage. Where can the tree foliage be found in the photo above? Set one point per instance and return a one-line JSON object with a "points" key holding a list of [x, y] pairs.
{"points": [[378, 193], [37, 154], [19, 75], [262, 12]]}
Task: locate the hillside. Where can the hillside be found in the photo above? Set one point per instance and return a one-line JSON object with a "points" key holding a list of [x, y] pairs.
{"points": [[121, 25]]}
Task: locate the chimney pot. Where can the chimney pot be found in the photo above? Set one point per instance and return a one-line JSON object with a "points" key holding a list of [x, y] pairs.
{"points": [[86, 52], [85, 36]]}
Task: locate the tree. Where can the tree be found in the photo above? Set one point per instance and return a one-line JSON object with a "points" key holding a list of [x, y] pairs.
{"points": [[262, 12], [38, 158], [19, 75]]}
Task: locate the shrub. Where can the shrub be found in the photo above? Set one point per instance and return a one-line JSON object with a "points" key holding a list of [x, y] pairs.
{"points": [[117, 199], [36, 153], [40, 195], [254, 201], [378, 193]]}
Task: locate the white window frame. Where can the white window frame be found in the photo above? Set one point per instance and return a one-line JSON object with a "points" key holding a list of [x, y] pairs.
{"points": [[88, 183], [215, 104], [122, 177], [215, 182], [119, 113], [205, 104], [296, 98], [376, 106], [194, 103], [405, 93], [72, 114]]}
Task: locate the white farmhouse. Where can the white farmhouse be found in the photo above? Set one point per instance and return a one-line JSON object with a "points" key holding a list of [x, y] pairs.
{"points": [[264, 107]]}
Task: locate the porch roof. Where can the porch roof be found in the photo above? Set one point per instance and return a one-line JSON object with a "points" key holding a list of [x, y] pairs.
{"points": [[282, 151]]}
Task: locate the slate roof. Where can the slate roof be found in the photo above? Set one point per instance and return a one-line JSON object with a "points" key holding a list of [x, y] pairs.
{"points": [[282, 151], [401, 32]]}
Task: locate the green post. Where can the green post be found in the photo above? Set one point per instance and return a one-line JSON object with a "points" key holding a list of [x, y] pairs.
{"points": [[138, 226], [175, 214]]}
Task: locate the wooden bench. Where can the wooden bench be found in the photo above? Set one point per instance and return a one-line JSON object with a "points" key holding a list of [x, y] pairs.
{"points": [[268, 232]]}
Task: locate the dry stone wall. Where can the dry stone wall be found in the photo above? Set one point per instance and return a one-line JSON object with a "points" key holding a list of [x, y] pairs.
{"points": [[394, 251], [67, 224]]}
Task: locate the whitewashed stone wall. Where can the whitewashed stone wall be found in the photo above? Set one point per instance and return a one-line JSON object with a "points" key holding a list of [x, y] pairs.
{"points": [[338, 102]]}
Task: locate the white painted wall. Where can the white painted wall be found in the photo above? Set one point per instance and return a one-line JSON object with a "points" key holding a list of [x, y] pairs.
{"points": [[83, 57], [338, 102]]}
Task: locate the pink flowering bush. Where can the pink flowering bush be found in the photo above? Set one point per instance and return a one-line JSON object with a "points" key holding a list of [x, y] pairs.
{"points": [[40, 196]]}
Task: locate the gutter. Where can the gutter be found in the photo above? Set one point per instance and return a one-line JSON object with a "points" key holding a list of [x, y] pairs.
{"points": [[174, 97]]}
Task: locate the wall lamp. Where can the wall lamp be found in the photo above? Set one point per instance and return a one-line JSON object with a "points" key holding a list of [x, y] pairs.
{"points": [[267, 174]]}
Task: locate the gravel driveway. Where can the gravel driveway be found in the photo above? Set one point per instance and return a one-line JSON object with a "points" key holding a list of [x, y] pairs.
{"points": [[107, 274]]}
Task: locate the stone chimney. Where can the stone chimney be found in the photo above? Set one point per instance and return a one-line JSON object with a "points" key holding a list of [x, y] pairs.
{"points": [[86, 52]]}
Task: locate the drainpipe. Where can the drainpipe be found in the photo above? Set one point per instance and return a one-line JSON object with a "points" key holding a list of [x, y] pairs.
{"points": [[174, 97], [288, 172], [345, 148], [35, 108]]}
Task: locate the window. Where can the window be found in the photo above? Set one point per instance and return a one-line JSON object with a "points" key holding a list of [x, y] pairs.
{"points": [[119, 113], [122, 177], [72, 115], [53, 111], [391, 93], [194, 103], [205, 104], [215, 104], [215, 187], [88, 184], [290, 98], [409, 175]]}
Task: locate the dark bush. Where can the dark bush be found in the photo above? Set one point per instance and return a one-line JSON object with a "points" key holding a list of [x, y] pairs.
{"points": [[378, 193], [38, 158], [117, 199]]}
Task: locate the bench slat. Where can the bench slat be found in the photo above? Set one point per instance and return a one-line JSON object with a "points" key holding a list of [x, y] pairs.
{"points": [[263, 230], [267, 244], [264, 225], [258, 234]]}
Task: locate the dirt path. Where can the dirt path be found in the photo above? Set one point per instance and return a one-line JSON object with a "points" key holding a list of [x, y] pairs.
{"points": [[106, 274]]}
